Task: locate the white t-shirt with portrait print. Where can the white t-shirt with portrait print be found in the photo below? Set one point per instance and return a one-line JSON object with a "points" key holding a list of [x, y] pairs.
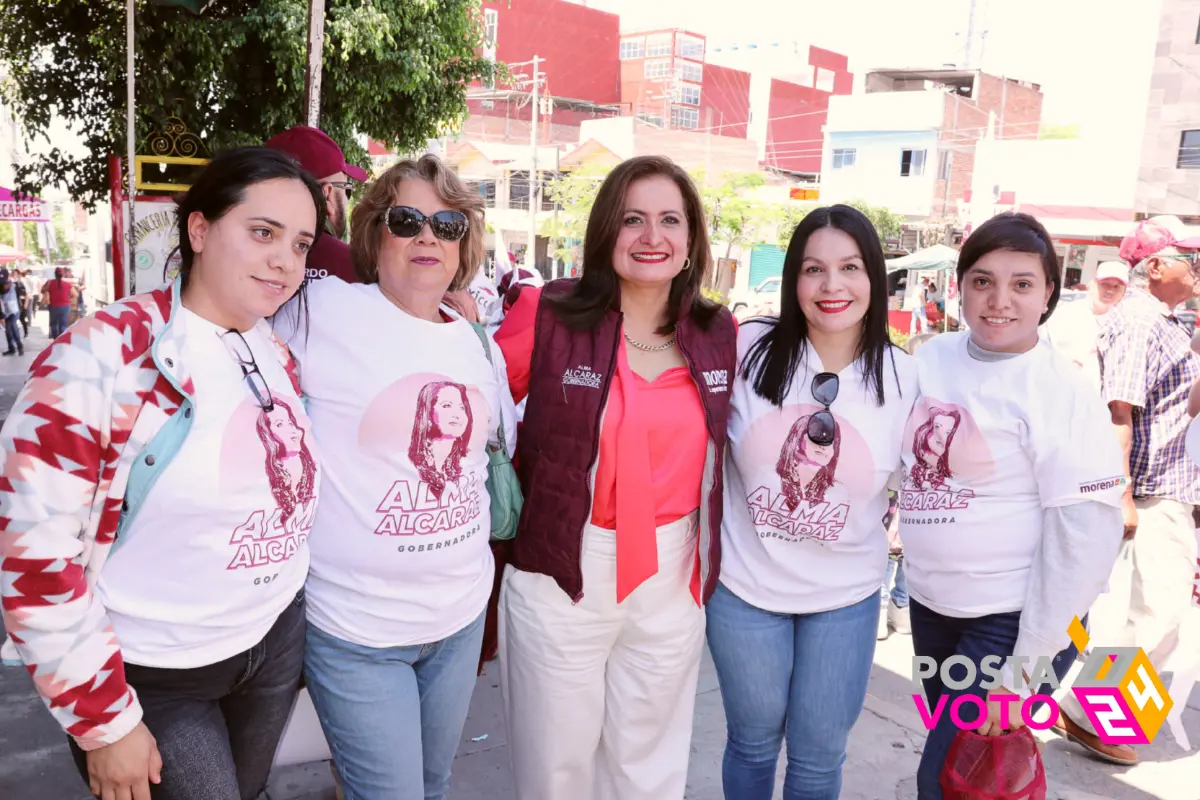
{"points": [[803, 525], [219, 547], [990, 445], [402, 410]]}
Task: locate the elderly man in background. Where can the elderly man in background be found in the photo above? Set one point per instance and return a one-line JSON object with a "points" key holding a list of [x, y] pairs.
{"points": [[1075, 327], [1147, 368]]}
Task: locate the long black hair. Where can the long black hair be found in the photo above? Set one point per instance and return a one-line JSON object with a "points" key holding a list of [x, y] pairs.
{"points": [[598, 288], [772, 361], [221, 184]]}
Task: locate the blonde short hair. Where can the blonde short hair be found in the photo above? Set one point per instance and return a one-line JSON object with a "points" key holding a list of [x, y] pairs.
{"points": [[367, 219]]}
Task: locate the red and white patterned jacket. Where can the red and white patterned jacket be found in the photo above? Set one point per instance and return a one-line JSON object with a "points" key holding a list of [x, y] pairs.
{"points": [[94, 401]]}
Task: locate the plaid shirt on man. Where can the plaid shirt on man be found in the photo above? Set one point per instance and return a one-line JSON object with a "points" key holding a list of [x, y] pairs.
{"points": [[1146, 360]]}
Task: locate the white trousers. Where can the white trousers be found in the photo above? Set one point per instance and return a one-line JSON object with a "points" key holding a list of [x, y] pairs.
{"points": [[599, 696], [1149, 602]]}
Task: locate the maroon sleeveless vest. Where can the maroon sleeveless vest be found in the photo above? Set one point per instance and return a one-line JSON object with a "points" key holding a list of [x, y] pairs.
{"points": [[570, 376]]}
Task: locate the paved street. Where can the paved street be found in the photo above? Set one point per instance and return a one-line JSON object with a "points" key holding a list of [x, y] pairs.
{"points": [[881, 765]]}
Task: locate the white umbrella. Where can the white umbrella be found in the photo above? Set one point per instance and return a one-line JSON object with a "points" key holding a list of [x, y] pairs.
{"points": [[937, 257]]}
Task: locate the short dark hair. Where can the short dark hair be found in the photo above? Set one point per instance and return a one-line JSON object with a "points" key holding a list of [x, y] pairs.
{"points": [[1018, 233], [773, 359], [221, 184], [598, 287]]}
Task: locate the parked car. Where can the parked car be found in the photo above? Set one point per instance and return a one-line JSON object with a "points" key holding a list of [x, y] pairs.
{"points": [[760, 301]]}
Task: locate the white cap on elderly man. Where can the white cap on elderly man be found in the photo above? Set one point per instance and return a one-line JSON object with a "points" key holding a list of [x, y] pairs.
{"points": [[1113, 269]]}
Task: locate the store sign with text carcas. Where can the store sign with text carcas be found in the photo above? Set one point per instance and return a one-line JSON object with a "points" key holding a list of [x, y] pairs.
{"points": [[155, 244], [22, 208]]}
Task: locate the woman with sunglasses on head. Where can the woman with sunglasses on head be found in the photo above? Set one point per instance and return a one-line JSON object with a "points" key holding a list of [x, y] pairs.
{"points": [[404, 401], [625, 372], [153, 554], [819, 403], [1010, 511]]}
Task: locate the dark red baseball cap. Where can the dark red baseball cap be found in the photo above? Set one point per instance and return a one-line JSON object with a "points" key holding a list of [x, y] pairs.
{"points": [[317, 153]]}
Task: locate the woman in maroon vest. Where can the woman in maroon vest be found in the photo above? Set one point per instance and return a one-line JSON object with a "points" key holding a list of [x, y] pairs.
{"points": [[626, 374]]}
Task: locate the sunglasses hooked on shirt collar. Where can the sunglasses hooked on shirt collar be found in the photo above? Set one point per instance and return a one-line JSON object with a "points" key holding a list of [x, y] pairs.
{"points": [[822, 428], [405, 222]]}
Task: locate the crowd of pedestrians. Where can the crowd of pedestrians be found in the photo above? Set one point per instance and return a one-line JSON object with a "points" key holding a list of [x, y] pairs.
{"points": [[285, 467]]}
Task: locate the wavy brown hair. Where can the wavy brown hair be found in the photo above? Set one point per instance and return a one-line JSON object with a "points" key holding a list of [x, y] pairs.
{"points": [[367, 224], [598, 288]]}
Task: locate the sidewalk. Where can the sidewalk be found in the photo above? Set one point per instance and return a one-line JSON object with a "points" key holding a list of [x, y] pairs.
{"points": [[13, 369], [881, 763]]}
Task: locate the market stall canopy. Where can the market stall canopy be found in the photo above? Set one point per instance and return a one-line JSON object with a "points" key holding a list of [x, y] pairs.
{"points": [[23, 208], [938, 257], [10, 254]]}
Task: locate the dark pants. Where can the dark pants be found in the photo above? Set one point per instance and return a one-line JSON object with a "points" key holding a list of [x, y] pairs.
{"points": [[12, 332], [58, 320], [218, 726], [25, 319], [941, 637]]}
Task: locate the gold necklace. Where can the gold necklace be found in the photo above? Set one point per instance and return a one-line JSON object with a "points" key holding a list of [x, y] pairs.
{"points": [[658, 348]]}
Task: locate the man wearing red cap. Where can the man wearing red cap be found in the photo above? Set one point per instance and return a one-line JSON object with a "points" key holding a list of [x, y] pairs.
{"points": [[323, 159], [1147, 368]]}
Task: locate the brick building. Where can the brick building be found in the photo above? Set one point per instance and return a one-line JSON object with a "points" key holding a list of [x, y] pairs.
{"points": [[908, 142]]}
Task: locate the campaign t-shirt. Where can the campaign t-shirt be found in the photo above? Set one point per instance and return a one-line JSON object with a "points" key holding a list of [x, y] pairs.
{"points": [[803, 528], [219, 547], [988, 447], [402, 409]]}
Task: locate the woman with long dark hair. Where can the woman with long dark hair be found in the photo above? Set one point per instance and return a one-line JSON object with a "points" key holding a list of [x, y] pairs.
{"points": [[1011, 507], [441, 433], [164, 636], [822, 396], [625, 373], [290, 466]]}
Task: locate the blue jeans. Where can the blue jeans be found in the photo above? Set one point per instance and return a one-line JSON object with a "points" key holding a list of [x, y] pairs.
{"points": [[803, 675], [12, 332], [899, 593], [941, 637], [393, 715], [58, 320]]}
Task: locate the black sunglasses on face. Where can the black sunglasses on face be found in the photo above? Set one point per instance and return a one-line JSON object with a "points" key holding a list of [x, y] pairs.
{"points": [[345, 186], [821, 425], [405, 222], [240, 349]]}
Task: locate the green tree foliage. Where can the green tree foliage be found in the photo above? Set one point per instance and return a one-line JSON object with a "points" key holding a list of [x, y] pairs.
{"points": [[887, 224], [735, 217], [394, 70], [575, 193], [789, 218]]}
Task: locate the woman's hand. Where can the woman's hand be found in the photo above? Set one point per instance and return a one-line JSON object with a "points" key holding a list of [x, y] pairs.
{"points": [[125, 769], [1004, 713]]}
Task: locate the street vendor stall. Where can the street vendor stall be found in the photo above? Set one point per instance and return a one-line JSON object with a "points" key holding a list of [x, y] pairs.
{"points": [[938, 263]]}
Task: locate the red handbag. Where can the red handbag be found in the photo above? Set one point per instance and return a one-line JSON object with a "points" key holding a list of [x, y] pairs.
{"points": [[1007, 767]]}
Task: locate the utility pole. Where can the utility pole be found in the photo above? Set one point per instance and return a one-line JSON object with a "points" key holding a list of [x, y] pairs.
{"points": [[970, 35], [556, 260], [531, 249], [312, 74]]}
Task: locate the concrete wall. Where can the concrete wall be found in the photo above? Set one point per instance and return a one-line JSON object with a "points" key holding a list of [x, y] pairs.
{"points": [[1174, 107], [875, 176]]}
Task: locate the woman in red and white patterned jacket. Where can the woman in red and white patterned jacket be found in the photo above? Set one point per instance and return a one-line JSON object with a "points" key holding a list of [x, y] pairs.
{"points": [[158, 487]]}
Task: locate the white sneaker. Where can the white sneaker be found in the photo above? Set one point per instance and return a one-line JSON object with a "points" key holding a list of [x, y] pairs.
{"points": [[897, 618], [881, 632]]}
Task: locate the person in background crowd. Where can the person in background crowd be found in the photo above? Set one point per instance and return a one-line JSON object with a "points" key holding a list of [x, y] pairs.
{"points": [[792, 623], [920, 320], [1035, 487], [1147, 369], [22, 287], [396, 619], [58, 295], [170, 645], [10, 300], [322, 158], [627, 373], [31, 299], [1075, 328]]}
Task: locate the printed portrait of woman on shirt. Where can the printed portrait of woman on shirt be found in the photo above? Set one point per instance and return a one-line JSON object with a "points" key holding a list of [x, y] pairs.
{"points": [[792, 624], [291, 468], [1005, 572], [441, 434], [807, 469], [932, 443]]}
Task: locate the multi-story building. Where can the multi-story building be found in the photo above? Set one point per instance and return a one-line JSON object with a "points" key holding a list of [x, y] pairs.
{"points": [[908, 141], [1169, 175], [790, 87]]}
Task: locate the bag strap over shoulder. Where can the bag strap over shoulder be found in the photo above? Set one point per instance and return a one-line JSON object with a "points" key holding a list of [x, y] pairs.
{"points": [[486, 341]]}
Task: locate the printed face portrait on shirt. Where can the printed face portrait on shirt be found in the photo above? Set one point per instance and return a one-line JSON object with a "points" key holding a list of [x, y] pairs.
{"points": [[946, 446], [805, 468], [291, 469]]}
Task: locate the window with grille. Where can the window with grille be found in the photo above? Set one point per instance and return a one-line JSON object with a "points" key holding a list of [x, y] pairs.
{"points": [[1189, 150], [689, 46], [688, 118], [912, 163], [633, 48], [658, 45], [659, 68], [689, 71], [844, 158]]}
